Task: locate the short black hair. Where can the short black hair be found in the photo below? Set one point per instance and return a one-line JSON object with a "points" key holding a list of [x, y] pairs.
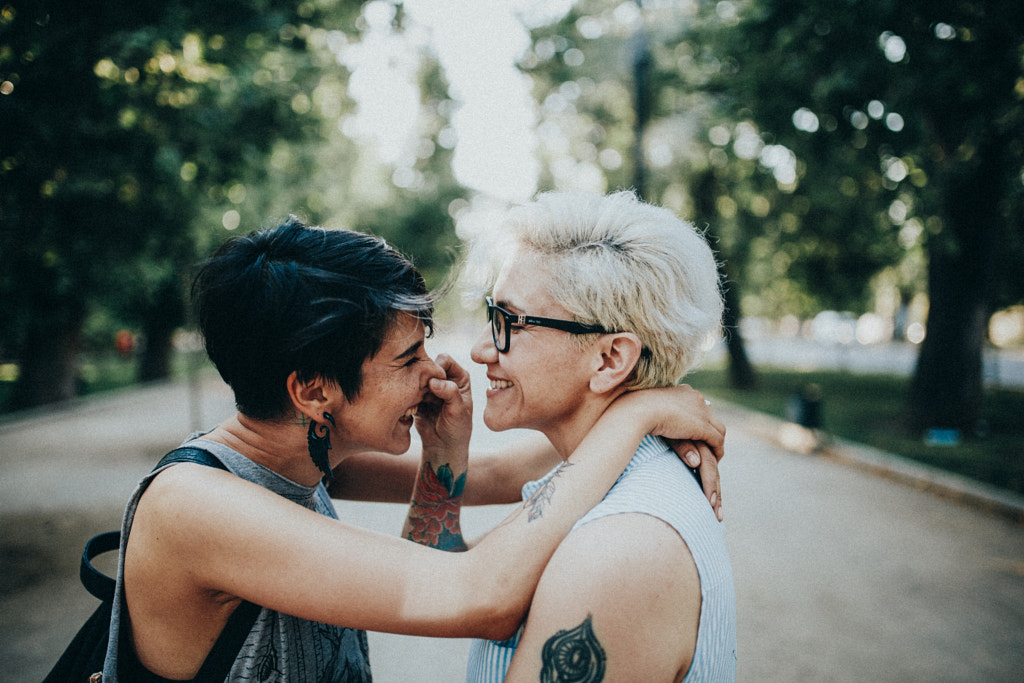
{"points": [[304, 299]]}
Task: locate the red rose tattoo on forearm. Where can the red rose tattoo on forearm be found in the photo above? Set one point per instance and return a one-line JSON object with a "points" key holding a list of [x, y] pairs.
{"points": [[434, 511]]}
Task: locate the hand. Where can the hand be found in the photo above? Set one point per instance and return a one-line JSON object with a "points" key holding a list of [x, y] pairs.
{"points": [[678, 412], [682, 416], [444, 418], [698, 455]]}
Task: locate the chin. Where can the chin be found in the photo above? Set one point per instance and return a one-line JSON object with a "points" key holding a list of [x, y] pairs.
{"points": [[397, 446], [495, 424]]}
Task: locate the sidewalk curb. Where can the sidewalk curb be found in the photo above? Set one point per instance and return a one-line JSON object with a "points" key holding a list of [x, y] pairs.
{"points": [[954, 487]]}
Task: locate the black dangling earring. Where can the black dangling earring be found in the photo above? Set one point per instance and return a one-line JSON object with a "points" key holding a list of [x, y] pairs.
{"points": [[318, 438]]}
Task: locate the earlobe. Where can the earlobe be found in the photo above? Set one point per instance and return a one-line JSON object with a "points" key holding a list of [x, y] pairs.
{"points": [[620, 353]]}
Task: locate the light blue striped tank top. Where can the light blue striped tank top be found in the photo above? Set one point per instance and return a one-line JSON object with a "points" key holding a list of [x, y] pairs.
{"points": [[656, 483]]}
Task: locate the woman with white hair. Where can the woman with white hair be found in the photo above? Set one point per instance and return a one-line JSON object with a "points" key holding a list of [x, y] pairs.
{"points": [[597, 296]]}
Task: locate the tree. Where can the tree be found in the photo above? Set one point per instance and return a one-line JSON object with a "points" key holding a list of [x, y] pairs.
{"points": [[123, 122], [849, 143], [915, 109]]}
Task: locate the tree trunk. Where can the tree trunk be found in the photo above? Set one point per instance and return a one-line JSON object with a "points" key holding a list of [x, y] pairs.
{"points": [[947, 388], [155, 358], [741, 371], [641, 102], [164, 314], [49, 357]]}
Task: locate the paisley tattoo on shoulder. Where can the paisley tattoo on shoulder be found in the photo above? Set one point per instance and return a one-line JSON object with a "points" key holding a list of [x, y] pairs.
{"points": [[573, 656]]}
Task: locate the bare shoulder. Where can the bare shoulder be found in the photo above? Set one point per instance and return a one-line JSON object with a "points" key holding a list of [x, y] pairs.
{"points": [[626, 588], [202, 517]]}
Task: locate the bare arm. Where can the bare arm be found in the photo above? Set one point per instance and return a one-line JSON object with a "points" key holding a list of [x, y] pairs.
{"points": [[242, 541], [495, 477], [620, 601]]}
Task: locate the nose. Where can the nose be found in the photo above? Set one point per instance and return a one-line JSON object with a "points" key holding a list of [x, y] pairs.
{"points": [[433, 371], [483, 350]]}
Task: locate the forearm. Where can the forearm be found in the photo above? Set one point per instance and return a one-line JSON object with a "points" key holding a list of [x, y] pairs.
{"points": [[497, 477], [433, 518], [376, 477], [494, 478]]}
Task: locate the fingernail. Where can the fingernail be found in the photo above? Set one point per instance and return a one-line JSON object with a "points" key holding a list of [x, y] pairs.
{"points": [[692, 459]]}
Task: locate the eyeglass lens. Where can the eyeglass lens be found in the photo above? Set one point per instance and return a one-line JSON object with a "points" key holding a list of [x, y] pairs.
{"points": [[498, 327]]}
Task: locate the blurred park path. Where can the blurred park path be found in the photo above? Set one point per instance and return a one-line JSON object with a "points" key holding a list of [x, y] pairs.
{"points": [[1000, 367], [841, 575]]}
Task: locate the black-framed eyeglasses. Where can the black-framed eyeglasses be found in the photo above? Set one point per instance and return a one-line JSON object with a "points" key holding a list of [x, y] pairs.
{"points": [[502, 322]]}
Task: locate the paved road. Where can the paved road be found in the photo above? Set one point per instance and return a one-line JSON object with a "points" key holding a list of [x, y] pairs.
{"points": [[841, 575]]}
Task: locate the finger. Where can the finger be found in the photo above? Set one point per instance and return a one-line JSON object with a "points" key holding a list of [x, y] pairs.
{"points": [[686, 450], [711, 479], [453, 370], [717, 442], [703, 404], [444, 389]]}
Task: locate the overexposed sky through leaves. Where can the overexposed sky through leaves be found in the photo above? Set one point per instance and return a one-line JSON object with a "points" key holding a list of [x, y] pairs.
{"points": [[477, 43]]}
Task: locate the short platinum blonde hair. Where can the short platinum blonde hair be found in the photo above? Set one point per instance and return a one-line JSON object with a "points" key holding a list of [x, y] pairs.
{"points": [[620, 263]]}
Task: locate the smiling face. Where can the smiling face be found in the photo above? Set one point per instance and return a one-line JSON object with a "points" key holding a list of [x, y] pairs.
{"points": [[542, 382], [394, 383]]}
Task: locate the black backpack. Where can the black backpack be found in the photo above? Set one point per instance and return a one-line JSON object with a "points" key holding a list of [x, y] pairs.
{"points": [[82, 661]]}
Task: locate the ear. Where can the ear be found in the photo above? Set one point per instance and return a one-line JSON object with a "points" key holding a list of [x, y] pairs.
{"points": [[309, 398], [619, 354]]}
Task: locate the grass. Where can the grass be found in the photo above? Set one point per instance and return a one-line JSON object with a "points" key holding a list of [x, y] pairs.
{"points": [[867, 409]]}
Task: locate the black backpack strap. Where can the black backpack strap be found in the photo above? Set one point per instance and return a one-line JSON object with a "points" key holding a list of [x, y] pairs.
{"points": [[225, 651], [96, 582], [190, 454]]}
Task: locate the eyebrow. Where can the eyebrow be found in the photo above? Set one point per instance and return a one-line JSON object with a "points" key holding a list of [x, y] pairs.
{"points": [[507, 305], [411, 351]]}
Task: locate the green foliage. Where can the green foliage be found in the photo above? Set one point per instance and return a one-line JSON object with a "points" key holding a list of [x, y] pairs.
{"points": [[836, 150], [121, 120], [817, 161], [135, 133], [888, 105]]}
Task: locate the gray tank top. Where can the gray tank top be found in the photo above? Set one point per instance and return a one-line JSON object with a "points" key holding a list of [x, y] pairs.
{"points": [[279, 647]]}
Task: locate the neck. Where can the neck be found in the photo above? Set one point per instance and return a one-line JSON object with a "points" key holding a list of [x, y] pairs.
{"points": [[567, 434], [277, 445]]}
